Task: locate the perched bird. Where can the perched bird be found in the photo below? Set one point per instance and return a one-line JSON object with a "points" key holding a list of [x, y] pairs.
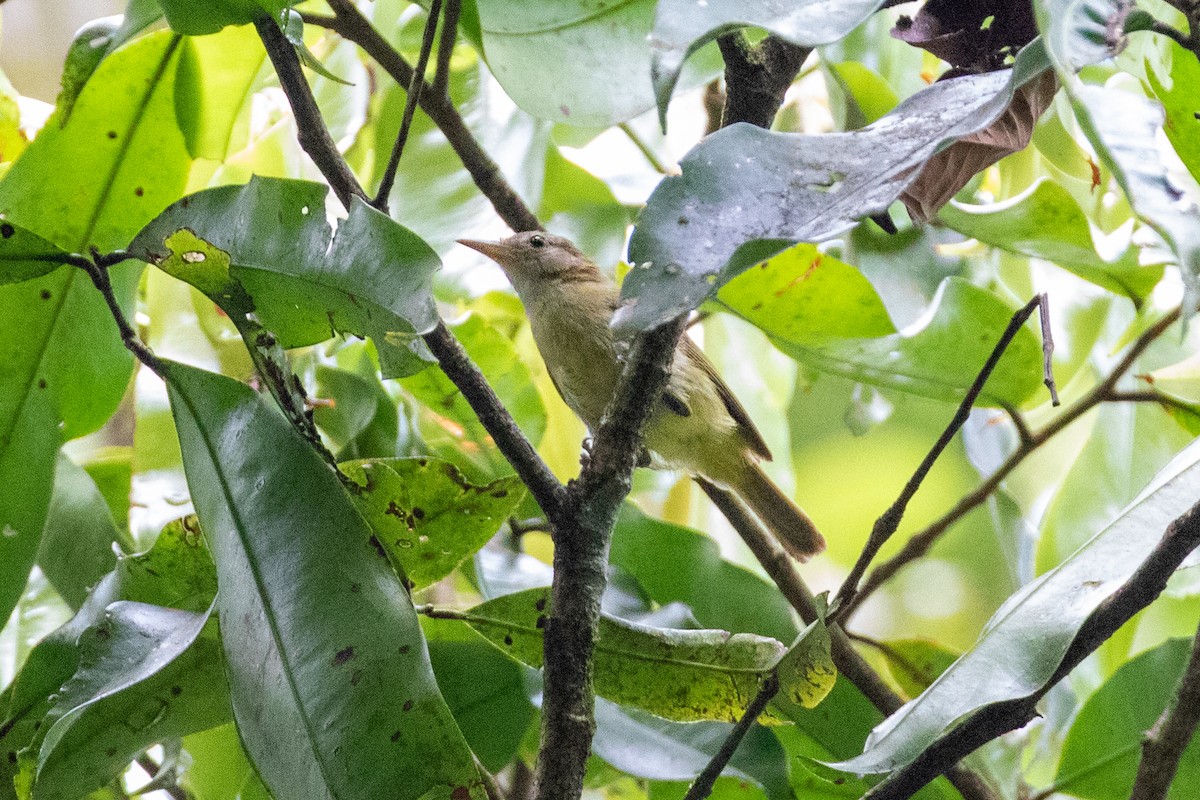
{"points": [[698, 425]]}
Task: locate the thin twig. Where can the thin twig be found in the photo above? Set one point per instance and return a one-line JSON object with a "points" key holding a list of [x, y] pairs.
{"points": [[1165, 742], [415, 85], [1047, 348], [441, 76], [129, 337], [703, 785], [152, 768], [889, 521], [918, 545], [349, 23], [1182, 536]]}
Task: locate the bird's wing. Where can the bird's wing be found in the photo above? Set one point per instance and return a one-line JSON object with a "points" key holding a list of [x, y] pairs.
{"points": [[746, 427]]}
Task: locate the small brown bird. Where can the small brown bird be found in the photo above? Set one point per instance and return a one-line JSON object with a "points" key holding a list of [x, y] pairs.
{"points": [[698, 426]]}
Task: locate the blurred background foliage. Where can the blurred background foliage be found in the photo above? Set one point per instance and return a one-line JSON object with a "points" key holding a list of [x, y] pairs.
{"points": [[844, 444]]}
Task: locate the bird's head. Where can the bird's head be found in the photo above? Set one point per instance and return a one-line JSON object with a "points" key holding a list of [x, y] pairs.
{"points": [[535, 258]]}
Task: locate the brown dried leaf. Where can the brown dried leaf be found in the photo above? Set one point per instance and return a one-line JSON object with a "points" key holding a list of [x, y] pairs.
{"points": [[949, 171]]}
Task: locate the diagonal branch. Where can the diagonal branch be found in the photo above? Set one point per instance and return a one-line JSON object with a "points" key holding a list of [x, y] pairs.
{"points": [[315, 139], [351, 25], [1143, 587], [919, 544], [889, 521]]}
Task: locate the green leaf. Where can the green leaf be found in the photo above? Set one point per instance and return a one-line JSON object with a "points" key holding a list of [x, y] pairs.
{"points": [[126, 160], [806, 671], [77, 546], [594, 47], [681, 27], [354, 689], [1180, 100], [1123, 127], [803, 296], [95, 41], [1102, 750], [198, 19], [648, 747], [746, 193], [1081, 32], [265, 249], [677, 564], [177, 572], [217, 77], [359, 416], [426, 516], [941, 355], [1045, 222], [448, 423], [24, 705], [485, 691], [1024, 642], [24, 255], [146, 674], [916, 663], [675, 674]]}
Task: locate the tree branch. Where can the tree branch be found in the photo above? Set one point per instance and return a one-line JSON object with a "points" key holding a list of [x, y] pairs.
{"points": [[703, 785], [441, 76], [782, 570], [349, 23], [1181, 538], [889, 521], [919, 544], [757, 77], [1166, 741], [315, 140]]}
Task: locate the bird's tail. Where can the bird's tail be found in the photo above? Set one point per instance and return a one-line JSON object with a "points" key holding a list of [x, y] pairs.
{"points": [[791, 526]]}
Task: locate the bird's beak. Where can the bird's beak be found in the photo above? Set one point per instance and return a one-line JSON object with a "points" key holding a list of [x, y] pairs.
{"points": [[496, 251]]}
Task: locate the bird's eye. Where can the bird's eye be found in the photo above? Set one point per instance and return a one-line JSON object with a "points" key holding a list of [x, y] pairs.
{"points": [[537, 241]]}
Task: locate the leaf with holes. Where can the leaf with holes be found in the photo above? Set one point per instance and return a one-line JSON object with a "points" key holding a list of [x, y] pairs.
{"points": [[146, 674], [681, 675], [746, 193], [264, 252], [320, 638], [425, 514]]}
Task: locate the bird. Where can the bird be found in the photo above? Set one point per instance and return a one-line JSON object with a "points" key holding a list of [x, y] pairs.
{"points": [[697, 426]]}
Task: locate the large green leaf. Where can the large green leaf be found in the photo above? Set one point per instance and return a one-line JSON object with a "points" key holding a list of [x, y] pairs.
{"points": [[941, 355], [265, 249], [675, 674], [1124, 127], [217, 78], [320, 638], [1179, 92], [1101, 754], [803, 296], [1025, 640], [94, 181], [746, 193], [425, 514], [681, 27], [599, 51], [1044, 221], [146, 674]]}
